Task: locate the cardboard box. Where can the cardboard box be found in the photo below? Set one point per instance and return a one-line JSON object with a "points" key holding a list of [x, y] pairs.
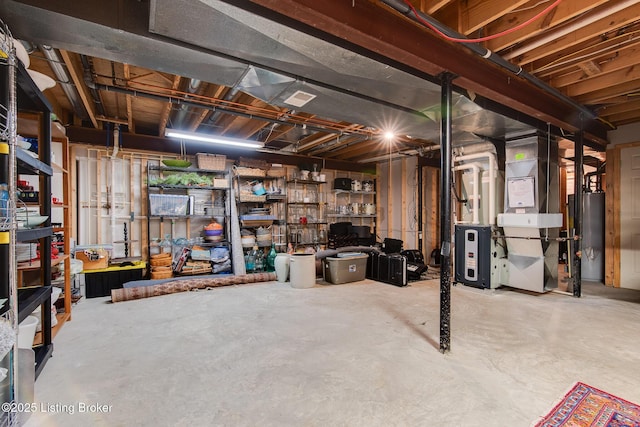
{"points": [[93, 259]]}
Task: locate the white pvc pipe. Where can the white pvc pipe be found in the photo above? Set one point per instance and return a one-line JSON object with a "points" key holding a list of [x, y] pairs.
{"points": [[112, 161], [493, 167], [476, 183]]}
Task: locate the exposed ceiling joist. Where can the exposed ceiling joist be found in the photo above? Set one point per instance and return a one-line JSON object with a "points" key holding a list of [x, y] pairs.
{"points": [[599, 96], [605, 81], [479, 13], [577, 31], [625, 58], [565, 11], [76, 75], [134, 88], [130, 123]]}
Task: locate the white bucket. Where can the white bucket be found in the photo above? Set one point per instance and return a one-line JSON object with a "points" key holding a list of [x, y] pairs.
{"points": [[27, 331], [302, 272]]}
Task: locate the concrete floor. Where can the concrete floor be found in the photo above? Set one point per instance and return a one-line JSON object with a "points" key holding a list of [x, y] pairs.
{"points": [[360, 354]]}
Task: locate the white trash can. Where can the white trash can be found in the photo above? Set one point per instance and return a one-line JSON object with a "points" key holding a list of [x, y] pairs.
{"points": [[302, 270]]}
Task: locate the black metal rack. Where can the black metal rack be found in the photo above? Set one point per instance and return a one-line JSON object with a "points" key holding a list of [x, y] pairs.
{"points": [[29, 98]]}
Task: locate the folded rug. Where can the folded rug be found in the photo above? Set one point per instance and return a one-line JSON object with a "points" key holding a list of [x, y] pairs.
{"points": [[586, 406]]}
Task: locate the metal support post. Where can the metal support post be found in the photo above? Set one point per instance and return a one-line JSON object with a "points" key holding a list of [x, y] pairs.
{"points": [[445, 213], [577, 216]]}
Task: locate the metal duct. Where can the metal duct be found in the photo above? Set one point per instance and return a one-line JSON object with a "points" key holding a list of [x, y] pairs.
{"points": [[165, 98], [88, 80], [221, 44], [180, 117], [62, 76]]}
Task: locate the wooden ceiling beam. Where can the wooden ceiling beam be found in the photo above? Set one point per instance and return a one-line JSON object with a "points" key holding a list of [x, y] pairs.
{"points": [[307, 147], [76, 76], [599, 96], [234, 124], [479, 13], [595, 49], [622, 107], [215, 91], [282, 130], [626, 122], [164, 117], [627, 117], [571, 35], [614, 61], [341, 141], [566, 10], [604, 81], [373, 147], [251, 128], [433, 6], [130, 123]]}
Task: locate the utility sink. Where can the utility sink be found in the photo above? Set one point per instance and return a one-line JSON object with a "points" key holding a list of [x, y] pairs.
{"points": [[529, 220]]}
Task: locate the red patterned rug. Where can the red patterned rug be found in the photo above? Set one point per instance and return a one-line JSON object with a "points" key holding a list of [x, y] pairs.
{"points": [[586, 406]]}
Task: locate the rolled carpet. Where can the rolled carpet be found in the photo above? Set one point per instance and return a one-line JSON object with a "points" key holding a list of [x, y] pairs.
{"points": [[175, 286]]}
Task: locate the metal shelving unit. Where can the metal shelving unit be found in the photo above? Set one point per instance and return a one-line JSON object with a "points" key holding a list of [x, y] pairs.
{"points": [[19, 92], [306, 213], [199, 210], [274, 202]]}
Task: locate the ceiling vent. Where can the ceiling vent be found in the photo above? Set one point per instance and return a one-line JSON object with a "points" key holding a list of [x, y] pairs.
{"points": [[299, 98]]}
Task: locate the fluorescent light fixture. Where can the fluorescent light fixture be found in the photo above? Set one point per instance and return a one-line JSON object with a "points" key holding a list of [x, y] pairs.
{"points": [[194, 136]]}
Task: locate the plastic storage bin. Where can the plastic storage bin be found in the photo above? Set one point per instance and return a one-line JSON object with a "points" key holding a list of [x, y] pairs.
{"points": [[345, 268], [168, 204], [100, 283]]}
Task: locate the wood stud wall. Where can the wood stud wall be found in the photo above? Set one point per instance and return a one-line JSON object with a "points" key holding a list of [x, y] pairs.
{"points": [[612, 219]]}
